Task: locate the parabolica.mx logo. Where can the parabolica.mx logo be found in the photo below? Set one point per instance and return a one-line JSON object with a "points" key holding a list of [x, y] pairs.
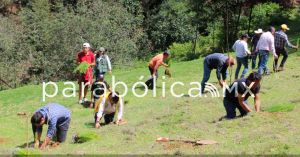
{"points": [[139, 89], [212, 89]]}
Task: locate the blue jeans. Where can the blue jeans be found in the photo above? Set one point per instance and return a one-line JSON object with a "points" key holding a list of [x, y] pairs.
{"points": [[230, 108], [264, 57], [241, 61], [206, 75]]}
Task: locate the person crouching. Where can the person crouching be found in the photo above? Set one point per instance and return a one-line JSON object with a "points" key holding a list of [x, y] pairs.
{"points": [[106, 106]]}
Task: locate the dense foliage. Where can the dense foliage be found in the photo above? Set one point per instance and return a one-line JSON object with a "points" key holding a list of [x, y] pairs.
{"points": [[39, 39]]}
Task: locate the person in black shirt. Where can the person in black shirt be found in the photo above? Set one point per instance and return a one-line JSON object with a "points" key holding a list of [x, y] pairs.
{"points": [[241, 90], [98, 89]]}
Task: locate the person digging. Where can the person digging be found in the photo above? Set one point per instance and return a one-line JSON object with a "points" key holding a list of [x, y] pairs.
{"points": [[217, 61], [57, 117], [106, 106], [237, 99], [153, 66]]}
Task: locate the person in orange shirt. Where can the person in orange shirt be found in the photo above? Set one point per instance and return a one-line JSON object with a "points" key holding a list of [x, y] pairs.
{"points": [[154, 64]]}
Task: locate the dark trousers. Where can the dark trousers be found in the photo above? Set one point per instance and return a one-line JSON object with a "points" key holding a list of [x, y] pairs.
{"points": [[150, 81], [254, 57], [62, 130], [230, 108], [285, 56], [108, 118]]}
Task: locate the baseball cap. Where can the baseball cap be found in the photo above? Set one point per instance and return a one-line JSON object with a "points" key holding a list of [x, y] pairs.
{"points": [[285, 27], [167, 52], [86, 45], [245, 36], [102, 49]]}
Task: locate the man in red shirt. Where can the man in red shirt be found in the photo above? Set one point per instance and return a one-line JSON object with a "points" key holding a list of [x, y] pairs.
{"points": [[154, 64], [86, 55]]}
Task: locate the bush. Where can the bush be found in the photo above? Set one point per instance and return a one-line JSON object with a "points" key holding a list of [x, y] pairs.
{"points": [[50, 39]]}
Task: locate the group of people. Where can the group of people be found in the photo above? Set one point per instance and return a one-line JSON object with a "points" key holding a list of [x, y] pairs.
{"points": [[107, 102], [263, 43]]}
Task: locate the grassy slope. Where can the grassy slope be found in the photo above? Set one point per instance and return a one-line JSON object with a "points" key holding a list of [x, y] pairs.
{"points": [[149, 118]]}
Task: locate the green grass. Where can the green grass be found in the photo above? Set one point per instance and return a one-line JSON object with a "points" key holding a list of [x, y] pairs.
{"points": [[180, 118], [149, 118], [281, 108]]}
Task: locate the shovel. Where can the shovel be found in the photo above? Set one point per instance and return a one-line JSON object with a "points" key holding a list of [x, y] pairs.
{"points": [[196, 142]]}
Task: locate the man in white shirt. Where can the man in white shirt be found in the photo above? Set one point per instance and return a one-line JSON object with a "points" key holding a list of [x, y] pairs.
{"points": [[264, 46], [241, 50]]}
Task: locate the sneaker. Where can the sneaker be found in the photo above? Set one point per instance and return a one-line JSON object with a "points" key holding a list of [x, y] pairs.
{"points": [[280, 69], [80, 102], [267, 73]]}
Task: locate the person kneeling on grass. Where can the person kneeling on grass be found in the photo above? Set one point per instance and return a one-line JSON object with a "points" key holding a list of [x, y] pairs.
{"points": [[99, 87], [107, 106], [58, 119], [238, 98]]}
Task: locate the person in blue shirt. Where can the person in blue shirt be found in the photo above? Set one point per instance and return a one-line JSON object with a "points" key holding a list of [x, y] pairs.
{"points": [[57, 117], [217, 61]]}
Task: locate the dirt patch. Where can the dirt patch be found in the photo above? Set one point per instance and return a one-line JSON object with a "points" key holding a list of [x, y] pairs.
{"points": [[3, 140], [295, 101], [272, 114], [177, 145]]}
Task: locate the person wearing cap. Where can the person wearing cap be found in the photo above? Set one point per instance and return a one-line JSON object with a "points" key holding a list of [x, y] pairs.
{"points": [[103, 63], [153, 66], [264, 46], [254, 42], [106, 106], [220, 62], [281, 40], [237, 99], [86, 55], [99, 88], [241, 50]]}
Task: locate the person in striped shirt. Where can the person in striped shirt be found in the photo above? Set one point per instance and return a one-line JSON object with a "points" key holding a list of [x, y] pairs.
{"points": [[281, 40]]}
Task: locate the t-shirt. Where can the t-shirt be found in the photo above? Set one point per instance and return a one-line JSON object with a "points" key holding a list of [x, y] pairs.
{"points": [[99, 88], [217, 61], [89, 57], [241, 89], [156, 61], [241, 48]]}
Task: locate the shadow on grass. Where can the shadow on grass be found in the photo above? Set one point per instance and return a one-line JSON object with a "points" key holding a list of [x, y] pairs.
{"points": [[92, 125], [30, 145], [86, 104]]}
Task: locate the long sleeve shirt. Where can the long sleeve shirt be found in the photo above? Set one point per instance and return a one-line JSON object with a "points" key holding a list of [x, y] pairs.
{"points": [[266, 43], [55, 115], [281, 40], [241, 48], [105, 107], [218, 61]]}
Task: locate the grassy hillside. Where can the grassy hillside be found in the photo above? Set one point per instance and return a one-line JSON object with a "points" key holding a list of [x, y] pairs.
{"points": [[267, 132], [149, 118]]}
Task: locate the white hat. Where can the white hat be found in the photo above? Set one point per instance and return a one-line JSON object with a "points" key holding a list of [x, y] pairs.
{"points": [[102, 49], [86, 45], [258, 31]]}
